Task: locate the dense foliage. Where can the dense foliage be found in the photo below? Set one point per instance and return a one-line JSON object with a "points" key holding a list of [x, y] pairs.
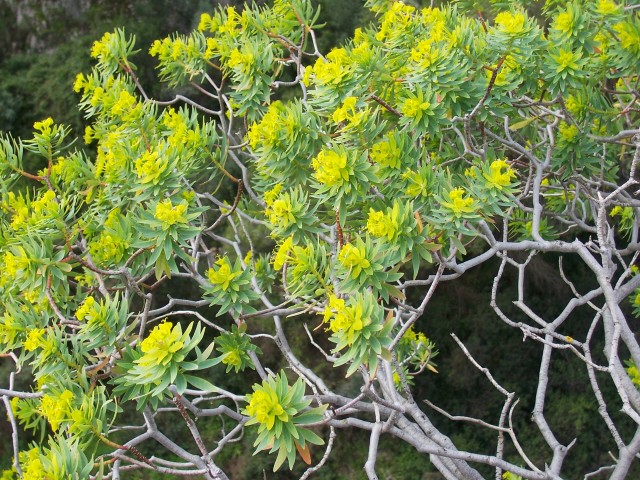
{"points": [[337, 191]]}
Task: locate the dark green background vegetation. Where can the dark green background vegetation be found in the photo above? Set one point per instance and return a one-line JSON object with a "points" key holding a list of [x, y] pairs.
{"points": [[46, 43]]}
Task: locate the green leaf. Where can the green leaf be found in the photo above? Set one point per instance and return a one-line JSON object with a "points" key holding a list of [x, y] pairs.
{"points": [[200, 383]]}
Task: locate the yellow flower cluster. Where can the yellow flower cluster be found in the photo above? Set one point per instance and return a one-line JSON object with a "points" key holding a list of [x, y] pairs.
{"points": [[187, 51], [34, 339], [629, 36], [223, 274], [56, 408], [32, 468], [329, 71], [353, 257], [348, 113], [413, 107], [265, 407], [265, 133], [86, 309], [345, 319], [282, 253], [181, 135], [14, 265], [208, 23], [331, 168], [607, 7], [108, 248], [564, 22], [44, 127], [567, 60], [568, 132], [417, 184], [169, 215], [161, 344], [241, 62], [510, 23], [509, 66], [150, 166], [232, 358], [381, 224], [280, 212], [271, 195], [386, 153], [26, 214], [101, 48], [425, 53], [125, 105], [500, 175], [412, 337], [229, 25], [459, 204], [394, 21], [8, 329]]}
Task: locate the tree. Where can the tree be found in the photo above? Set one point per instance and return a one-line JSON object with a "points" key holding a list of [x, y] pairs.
{"points": [[335, 190]]}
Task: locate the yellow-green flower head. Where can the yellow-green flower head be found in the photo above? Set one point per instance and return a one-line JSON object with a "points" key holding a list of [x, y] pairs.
{"points": [[331, 168], [617, 210], [332, 70], [568, 132], [508, 66], [241, 62], [44, 127], [55, 408], [425, 53], [353, 257], [34, 339], [417, 184], [282, 253], [265, 133], [335, 306], [232, 358], [633, 372], [100, 47], [8, 329], [348, 321], [32, 468], [510, 23], [108, 248], [125, 104], [208, 23], [459, 204], [628, 35], [150, 166], [271, 195], [432, 15], [381, 224], [607, 7], [413, 107], [169, 214], [280, 213], [231, 23], [14, 265], [396, 18], [264, 406], [500, 175], [386, 153], [86, 309], [564, 22], [567, 60], [159, 347], [348, 113], [222, 274], [574, 105]]}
